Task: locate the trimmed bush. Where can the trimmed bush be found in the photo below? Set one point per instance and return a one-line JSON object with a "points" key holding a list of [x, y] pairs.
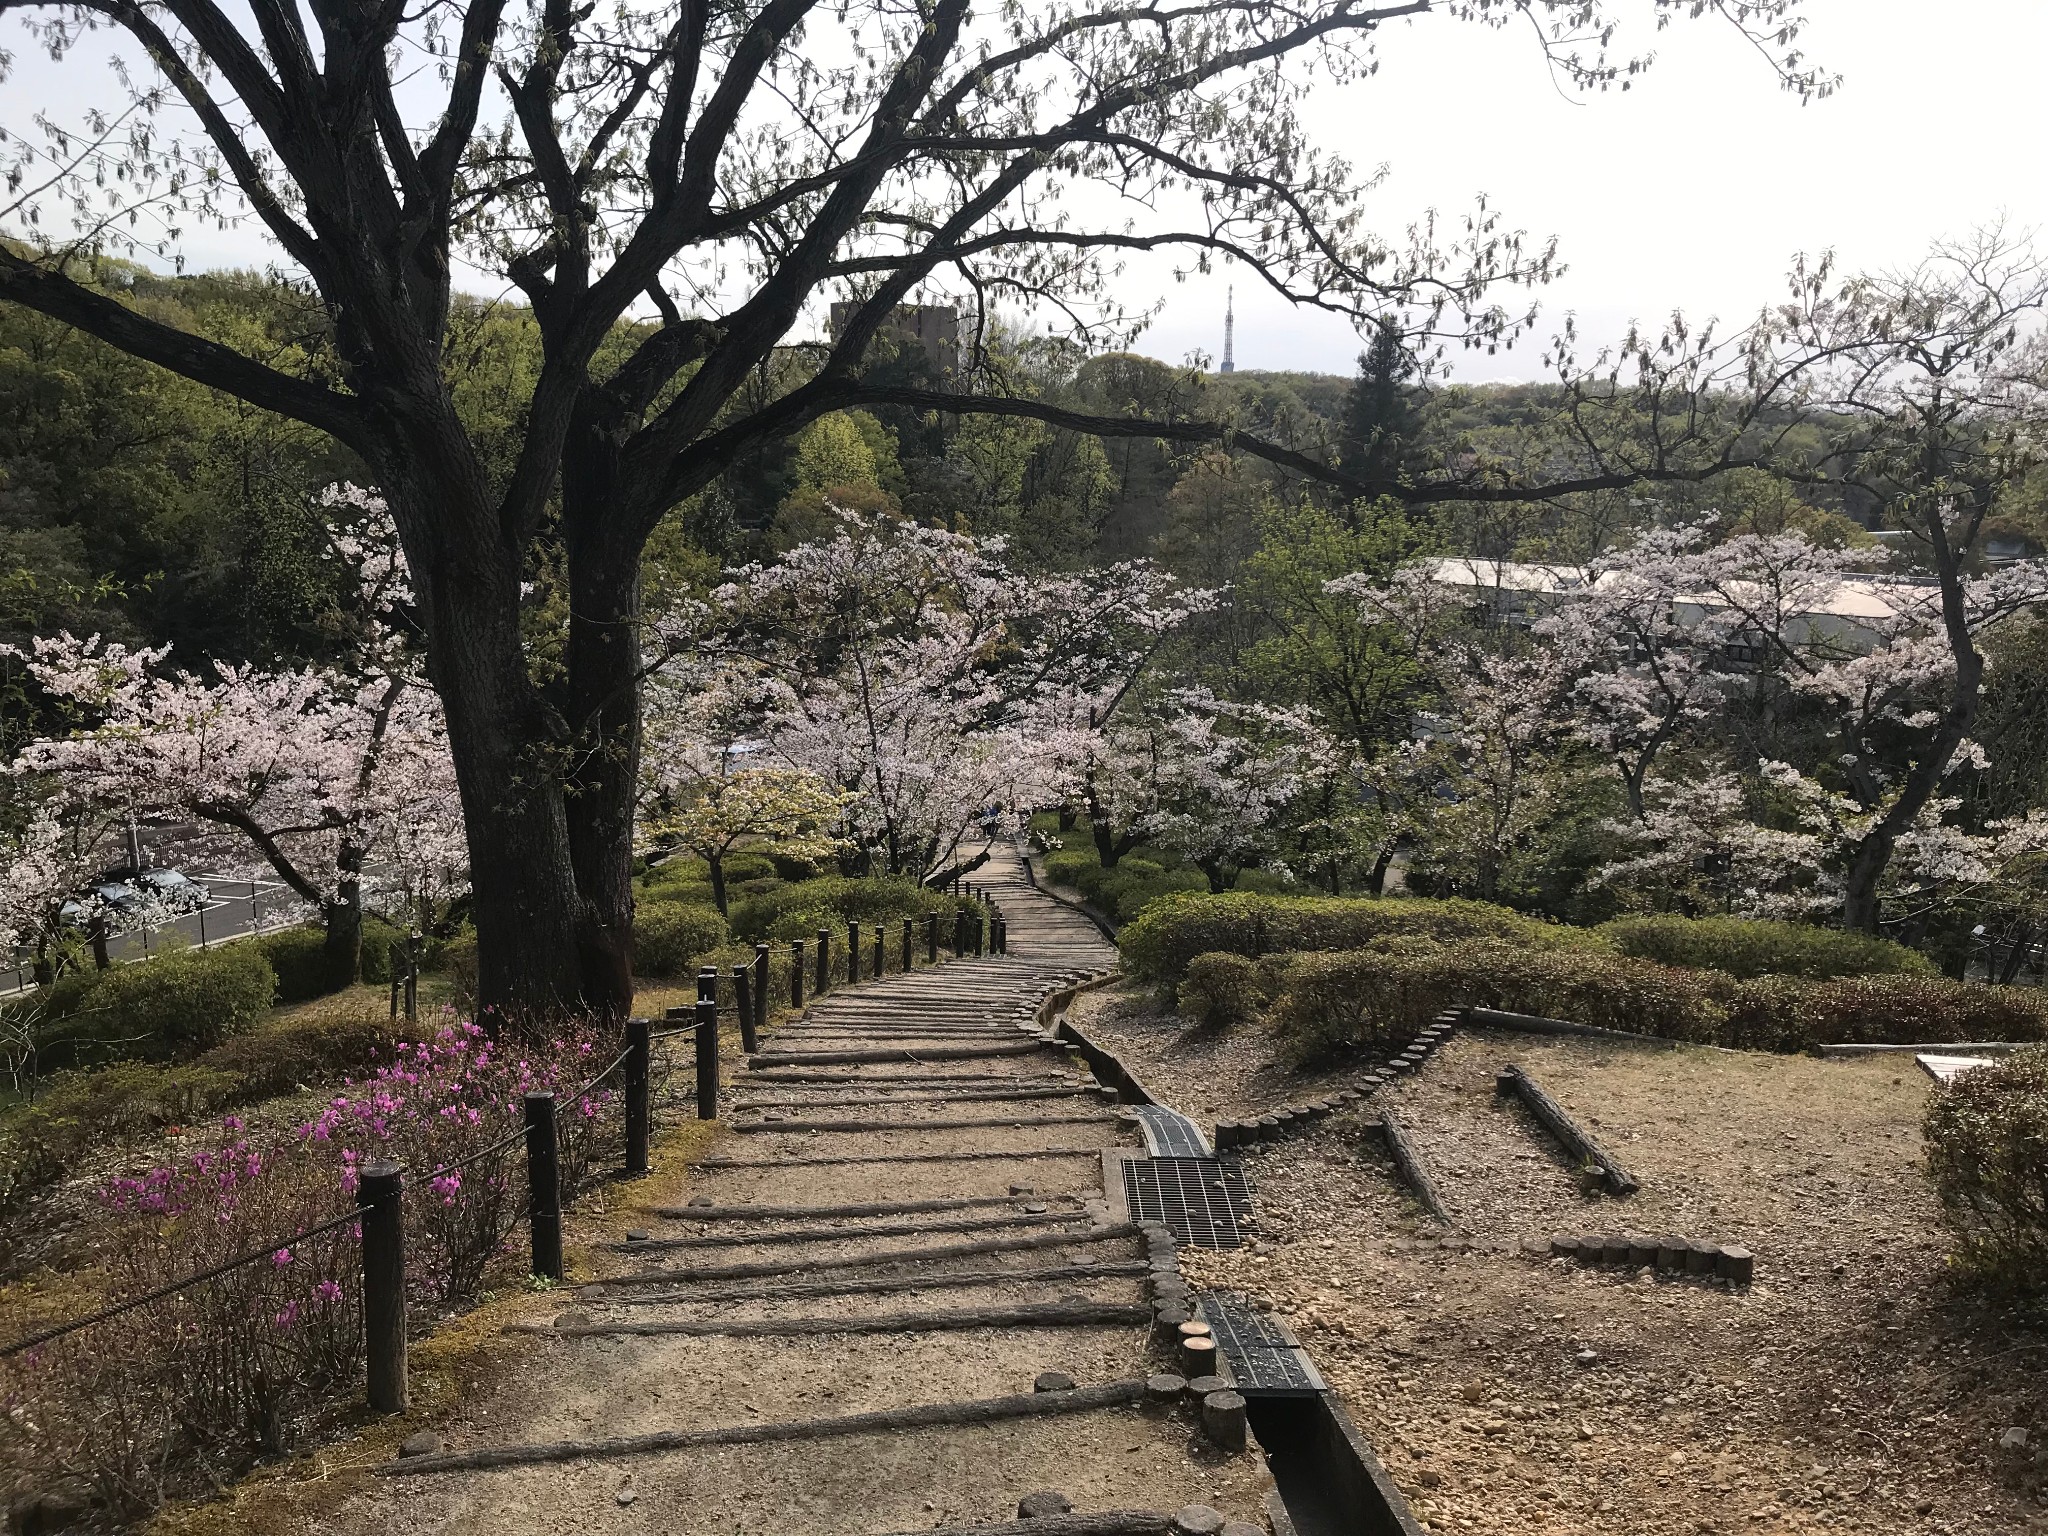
{"points": [[298, 957], [289, 1056], [1330, 1002], [167, 1009], [668, 936], [1987, 1153], [1222, 991], [1746, 947], [747, 866], [380, 939], [1069, 865], [1785, 1013], [1170, 932], [797, 911], [793, 867]]}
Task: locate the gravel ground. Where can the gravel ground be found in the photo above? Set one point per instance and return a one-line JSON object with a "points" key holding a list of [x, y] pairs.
{"points": [[1852, 1388]]}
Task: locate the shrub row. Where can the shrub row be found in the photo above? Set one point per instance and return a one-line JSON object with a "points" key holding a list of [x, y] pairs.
{"points": [[1747, 947], [799, 910], [1128, 889], [669, 936], [1331, 1001], [1160, 942], [166, 1009]]}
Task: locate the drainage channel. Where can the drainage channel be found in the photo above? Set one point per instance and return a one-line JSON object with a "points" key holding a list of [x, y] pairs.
{"points": [[1330, 1482]]}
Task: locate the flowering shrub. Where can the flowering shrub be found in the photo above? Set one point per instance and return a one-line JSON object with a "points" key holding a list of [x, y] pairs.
{"points": [[171, 1396]]}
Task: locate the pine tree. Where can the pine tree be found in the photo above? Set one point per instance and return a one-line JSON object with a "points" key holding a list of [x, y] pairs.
{"points": [[1379, 418]]}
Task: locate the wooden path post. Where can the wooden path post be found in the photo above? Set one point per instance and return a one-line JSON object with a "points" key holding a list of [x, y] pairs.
{"points": [[638, 1051], [796, 973], [382, 1192], [743, 992], [543, 1186], [760, 988], [707, 1059], [824, 962]]}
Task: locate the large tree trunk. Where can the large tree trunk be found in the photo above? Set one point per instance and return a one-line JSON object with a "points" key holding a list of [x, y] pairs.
{"points": [[506, 743], [603, 708]]}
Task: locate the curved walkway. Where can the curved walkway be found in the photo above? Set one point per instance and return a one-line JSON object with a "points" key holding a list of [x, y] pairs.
{"points": [[838, 1327]]}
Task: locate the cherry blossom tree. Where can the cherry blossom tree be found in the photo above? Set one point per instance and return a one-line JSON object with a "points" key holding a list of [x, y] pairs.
{"points": [[334, 775], [671, 189], [916, 671], [1225, 770]]}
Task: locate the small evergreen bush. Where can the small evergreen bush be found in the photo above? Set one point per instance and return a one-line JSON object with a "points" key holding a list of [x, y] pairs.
{"points": [[1987, 1154], [1222, 991], [1068, 866], [1747, 947], [668, 936]]}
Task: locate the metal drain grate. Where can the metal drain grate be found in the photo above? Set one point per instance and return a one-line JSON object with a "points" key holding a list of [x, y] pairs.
{"points": [[1169, 1133], [1263, 1355], [1206, 1201]]}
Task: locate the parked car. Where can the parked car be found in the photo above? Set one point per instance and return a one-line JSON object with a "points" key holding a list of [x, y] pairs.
{"points": [[174, 888]]}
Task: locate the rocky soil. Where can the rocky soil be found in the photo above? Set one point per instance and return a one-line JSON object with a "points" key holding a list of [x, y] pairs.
{"points": [[1853, 1387]]}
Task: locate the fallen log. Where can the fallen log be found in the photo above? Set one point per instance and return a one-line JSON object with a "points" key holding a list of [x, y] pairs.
{"points": [[1023, 1405], [1413, 1174]]}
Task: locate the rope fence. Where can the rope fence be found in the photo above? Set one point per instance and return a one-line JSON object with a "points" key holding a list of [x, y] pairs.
{"points": [[380, 1208]]}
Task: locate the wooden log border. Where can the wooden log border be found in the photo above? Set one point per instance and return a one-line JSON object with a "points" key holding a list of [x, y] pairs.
{"points": [[1689, 1256], [1513, 1082], [1024, 1405], [1409, 1165], [1045, 1314], [1280, 1122]]}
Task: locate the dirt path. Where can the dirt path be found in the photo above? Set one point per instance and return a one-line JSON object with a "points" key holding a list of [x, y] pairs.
{"points": [[985, 1256], [1851, 1388]]}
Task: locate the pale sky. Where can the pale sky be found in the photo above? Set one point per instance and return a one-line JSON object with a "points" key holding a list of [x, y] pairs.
{"points": [[1692, 190]]}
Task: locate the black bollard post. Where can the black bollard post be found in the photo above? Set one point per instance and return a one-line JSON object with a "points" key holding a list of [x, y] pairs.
{"points": [[824, 962], [881, 951], [796, 973], [543, 1186], [707, 983], [908, 958], [976, 926], [382, 1192], [852, 952], [637, 1064], [707, 1060], [931, 938], [743, 990], [760, 988]]}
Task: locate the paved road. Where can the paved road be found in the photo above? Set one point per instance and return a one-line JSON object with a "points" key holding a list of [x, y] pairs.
{"points": [[239, 907]]}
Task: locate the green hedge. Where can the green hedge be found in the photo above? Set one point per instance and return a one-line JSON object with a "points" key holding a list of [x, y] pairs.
{"points": [[1222, 991], [799, 910], [1160, 942], [1987, 1154], [1334, 1001], [1746, 947], [298, 957], [669, 936], [166, 1009]]}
